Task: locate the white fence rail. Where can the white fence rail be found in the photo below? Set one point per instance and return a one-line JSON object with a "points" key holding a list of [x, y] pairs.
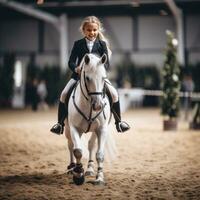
{"points": [[134, 97]]}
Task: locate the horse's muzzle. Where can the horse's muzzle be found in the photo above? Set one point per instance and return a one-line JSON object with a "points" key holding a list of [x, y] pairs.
{"points": [[97, 106]]}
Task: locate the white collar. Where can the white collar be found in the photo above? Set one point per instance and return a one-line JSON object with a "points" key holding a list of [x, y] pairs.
{"points": [[90, 41]]}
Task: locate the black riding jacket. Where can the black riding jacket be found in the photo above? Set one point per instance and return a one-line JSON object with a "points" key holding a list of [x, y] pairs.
{"points": [[80, 49]]}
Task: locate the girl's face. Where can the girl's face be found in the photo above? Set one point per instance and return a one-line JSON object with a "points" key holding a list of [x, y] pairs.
{"points": [[91, 31]]}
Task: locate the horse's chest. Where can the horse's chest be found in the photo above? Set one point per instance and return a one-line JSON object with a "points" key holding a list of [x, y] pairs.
{"points": [[84, 125]]}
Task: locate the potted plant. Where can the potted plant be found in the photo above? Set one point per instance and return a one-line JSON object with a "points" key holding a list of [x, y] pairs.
{"points": [[195, 123], [170, 84]]}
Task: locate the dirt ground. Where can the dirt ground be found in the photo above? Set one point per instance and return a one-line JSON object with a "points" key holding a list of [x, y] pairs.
{"points": [[151, 163]]}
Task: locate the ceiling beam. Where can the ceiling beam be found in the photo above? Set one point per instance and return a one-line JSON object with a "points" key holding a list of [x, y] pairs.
{"points": [[60, 24], [28, 10]]}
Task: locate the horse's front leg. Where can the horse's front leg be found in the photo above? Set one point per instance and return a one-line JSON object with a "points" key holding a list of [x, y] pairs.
{"points": [[78, 171], [101, 134], [91, 148], [71, 165]]}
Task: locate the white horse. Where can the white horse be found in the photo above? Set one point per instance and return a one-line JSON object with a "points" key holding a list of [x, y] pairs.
{"points": [[88, 111]]}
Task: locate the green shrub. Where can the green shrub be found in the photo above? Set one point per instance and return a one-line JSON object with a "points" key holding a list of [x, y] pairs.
{"points": [[171, 80]]}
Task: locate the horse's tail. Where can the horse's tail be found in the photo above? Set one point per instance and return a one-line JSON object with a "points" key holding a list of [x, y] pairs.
{"points": [[110, 148]]}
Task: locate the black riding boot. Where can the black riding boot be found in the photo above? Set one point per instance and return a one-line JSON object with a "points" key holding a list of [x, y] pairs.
{"points": [[62, 113], [120, 126]]}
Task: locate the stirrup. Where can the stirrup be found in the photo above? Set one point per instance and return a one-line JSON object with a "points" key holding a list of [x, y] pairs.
{"points": [[122, 126], [57, 129]]}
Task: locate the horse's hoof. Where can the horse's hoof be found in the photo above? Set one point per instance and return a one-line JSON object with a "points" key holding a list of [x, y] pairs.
{"points": [[79, 180], [89, 173], [100, 183]]}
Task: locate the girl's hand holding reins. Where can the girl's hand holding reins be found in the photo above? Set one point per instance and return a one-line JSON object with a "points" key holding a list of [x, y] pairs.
{"points": [[78, 70], [40, 1]]}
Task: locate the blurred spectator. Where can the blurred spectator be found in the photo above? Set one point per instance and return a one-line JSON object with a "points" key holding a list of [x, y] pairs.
{"points": [[40, 1], [188, 88], [42, 93], [35, 97]]}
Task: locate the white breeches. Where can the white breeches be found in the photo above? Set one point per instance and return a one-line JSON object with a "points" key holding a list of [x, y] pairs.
{"points": [[112, 90], [71, 82], [66, 89]]}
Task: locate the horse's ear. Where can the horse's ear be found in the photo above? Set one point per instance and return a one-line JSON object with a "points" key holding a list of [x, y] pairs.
{"points": [[104, 58], [87, 59]]}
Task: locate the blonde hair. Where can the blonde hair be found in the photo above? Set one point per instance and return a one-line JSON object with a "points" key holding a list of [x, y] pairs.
{"points": [[101, 36]]}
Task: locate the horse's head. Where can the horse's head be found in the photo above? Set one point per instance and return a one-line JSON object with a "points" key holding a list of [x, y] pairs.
{"points": [[92, 79]]}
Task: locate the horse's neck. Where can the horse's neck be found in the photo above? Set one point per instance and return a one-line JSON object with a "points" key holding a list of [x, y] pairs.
{"points": [[81, 100]]}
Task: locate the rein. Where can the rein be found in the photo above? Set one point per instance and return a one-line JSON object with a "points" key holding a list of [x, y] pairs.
{"points": [[89, 119]]}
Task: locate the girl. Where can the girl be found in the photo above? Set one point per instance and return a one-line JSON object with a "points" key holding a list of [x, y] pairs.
{"points": [[93, 42]]}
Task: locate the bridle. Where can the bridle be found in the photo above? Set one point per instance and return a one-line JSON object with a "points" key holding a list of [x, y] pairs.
{"points": [[89, 119], [89, 93]]}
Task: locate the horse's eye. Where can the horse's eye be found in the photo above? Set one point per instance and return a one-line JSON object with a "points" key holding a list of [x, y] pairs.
{"points": [[87, 79]]}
